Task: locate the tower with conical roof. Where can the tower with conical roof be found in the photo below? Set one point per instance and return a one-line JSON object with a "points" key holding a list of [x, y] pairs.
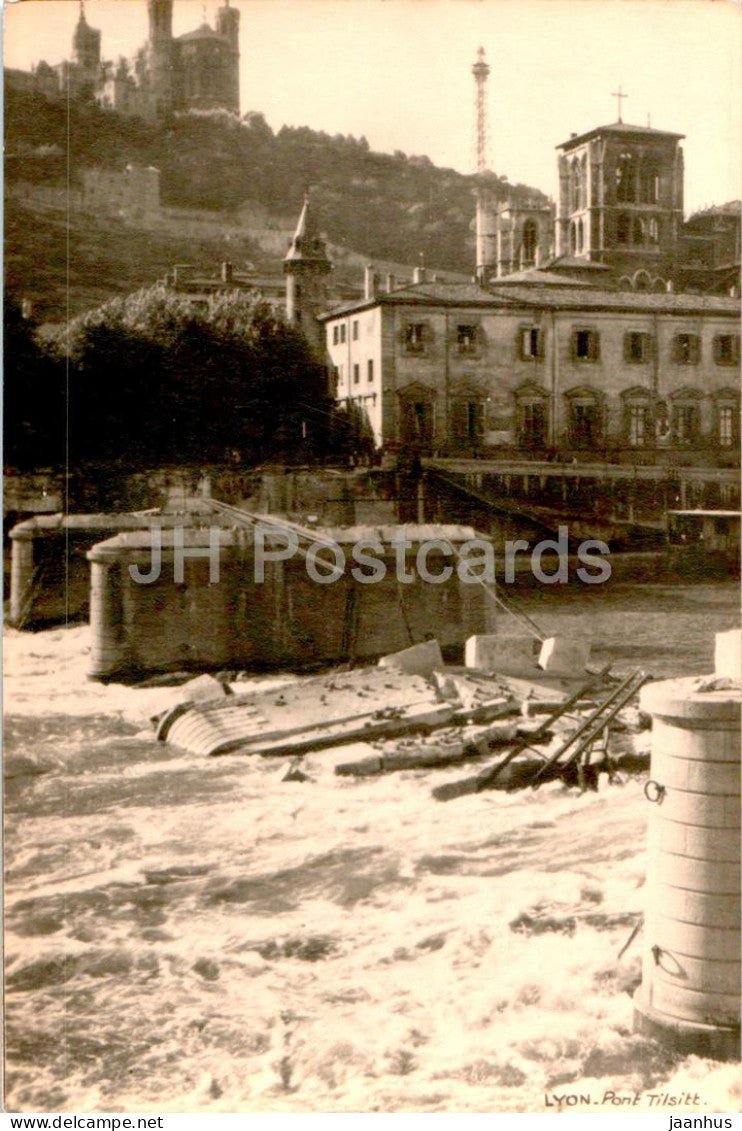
{"points": [[306, 267], [86, 44]]}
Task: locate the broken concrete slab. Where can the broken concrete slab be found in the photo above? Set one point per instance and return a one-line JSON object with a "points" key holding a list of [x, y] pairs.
{"points": [[494, 652], [203, 689], [442, 749], [309, 714], [419, 659], [564, 655]]}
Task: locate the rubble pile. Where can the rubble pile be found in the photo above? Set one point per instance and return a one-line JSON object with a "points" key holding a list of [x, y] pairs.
{"points": [[412, 711]]}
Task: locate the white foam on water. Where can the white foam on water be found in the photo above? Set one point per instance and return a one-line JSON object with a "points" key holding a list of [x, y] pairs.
{"points": [[193, 934]]}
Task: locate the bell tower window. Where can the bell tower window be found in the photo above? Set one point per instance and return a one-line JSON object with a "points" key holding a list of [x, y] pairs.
{"points": [[530, 241], [626, 179]]}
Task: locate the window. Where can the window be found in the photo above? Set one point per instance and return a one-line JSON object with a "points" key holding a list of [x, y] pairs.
{"points": [[576, 185], [342, 332], [573, 237], [727, 421], [370, 369], [650, 183], [532, 424], [638, 230], [685, 423], [467, 339], [639, 425], [580, 235], [335, 335], [416, 424], [726, 349], [653, 231], [585, 345], [626, 179], [637, 347], [531, 343], [355, 330], [583, 181], [467, 422], [356, 374], [623, 228], [530, 241], [414, 337], [584, 424], [341, 374], [687, 349]]}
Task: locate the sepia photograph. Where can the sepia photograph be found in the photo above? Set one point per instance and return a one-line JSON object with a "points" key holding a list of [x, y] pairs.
{"points": [[371, 500]]}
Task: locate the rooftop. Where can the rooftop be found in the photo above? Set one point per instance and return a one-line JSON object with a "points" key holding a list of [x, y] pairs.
{"points": [[202, 32], [620, 128], [554, 293]]}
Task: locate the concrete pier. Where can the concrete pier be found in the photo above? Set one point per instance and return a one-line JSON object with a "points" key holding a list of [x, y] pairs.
{"points": [[689, 998]]}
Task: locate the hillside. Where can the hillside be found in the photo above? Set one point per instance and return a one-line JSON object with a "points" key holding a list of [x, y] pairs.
{"points": [[106, 258], [384, 206]]}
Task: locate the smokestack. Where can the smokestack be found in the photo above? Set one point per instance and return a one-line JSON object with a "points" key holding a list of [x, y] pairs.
{"points": [[369, 282], [391, 283], [226, 272], [419, 275]]}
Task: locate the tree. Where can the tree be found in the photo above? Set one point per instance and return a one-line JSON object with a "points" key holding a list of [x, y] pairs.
{"points": [[34, 400], [155, 379]]}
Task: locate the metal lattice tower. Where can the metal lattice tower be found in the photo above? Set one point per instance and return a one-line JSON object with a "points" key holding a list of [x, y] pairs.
{"points": [[480, 70]]}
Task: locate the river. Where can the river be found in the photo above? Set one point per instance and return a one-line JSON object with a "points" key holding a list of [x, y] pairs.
{"points": [[200, 935]]}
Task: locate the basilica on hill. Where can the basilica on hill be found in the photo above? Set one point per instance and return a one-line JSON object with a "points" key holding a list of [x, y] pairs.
{"points": [[195, 71]]}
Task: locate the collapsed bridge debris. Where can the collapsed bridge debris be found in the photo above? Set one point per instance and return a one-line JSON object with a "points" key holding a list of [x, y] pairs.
{"points": [[429, 717]]}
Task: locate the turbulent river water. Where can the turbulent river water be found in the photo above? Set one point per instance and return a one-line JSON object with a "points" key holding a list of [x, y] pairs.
{"points": [[185, 934]]}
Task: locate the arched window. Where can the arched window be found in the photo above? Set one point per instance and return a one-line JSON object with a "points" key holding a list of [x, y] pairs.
{"points": [[637, 233], [530, 241], [653, 230], [623, 228], [575, 185], [642, 281], [649, 182], [626, 179]]}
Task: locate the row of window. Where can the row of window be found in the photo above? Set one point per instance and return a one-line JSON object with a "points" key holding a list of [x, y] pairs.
{"points": [[635, 181], [638, 345], [637, 230], [339, 332], [338, 372], [584, 424], [643, 428]]}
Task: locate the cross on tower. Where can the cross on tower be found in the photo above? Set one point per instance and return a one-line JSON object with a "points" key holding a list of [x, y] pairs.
{"points": [[620, 95]]}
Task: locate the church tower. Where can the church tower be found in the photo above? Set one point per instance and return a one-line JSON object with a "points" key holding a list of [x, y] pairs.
{"points": [[86, 45], [621, 201], [160, 52], [524, 236], [306, 265], [228, 26]]}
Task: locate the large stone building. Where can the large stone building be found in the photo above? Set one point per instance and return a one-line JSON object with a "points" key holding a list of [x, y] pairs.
{"points": [[575, 340], [195, 71], [542, 365]]}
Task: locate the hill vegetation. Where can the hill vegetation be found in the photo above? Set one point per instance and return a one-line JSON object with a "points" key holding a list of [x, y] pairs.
{"points": [[386, 206]]}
